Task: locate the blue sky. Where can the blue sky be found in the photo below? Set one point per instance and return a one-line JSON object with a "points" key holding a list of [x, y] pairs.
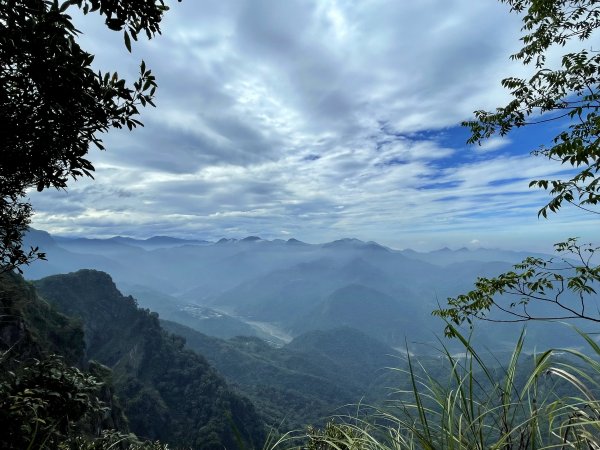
{"points": [[318, 120]]}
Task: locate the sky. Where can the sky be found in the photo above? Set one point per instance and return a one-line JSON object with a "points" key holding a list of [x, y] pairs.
{"points": [[318, 120]]}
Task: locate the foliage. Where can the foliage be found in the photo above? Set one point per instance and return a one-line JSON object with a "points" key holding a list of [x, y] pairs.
{"points": [[334, 436], [45, 401], [545, 401], [561, 288], [53, 106], [48, 404], [568, 94], [316, 375], [30, 328], [111, 440], [14, 219], [41, 403]]}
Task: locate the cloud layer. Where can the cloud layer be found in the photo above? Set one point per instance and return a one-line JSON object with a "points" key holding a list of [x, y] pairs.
{"points": [[314, 119]]}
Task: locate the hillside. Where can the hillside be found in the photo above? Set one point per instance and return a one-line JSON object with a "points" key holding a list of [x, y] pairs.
{"points": [[365, 309], [31, 328], [168, 393], [46, 384], [311, 378]]}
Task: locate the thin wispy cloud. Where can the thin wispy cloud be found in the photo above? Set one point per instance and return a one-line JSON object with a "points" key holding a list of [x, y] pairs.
{"points": [[493, 144]]}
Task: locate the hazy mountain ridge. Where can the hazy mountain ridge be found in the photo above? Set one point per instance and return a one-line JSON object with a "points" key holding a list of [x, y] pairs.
{"points": [[281, 284], [365, 309]]}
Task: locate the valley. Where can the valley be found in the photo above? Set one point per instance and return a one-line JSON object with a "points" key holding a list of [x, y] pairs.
{"points": [[277, 290], [271, 336]]}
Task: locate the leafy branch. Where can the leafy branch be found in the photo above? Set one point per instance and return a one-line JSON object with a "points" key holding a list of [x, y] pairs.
{"points": [[570, 92], [563, 285]]}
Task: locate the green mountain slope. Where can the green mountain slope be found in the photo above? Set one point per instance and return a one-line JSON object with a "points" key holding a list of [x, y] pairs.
{"points": [[48, 393], [168, 393], [30, 328], [350, 352], [305, 381]]}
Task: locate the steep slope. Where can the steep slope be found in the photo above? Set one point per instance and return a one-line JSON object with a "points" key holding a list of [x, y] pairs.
{"points": [[168, 393], [44, 378], [289, 389], [30, 328], [303, 382]]}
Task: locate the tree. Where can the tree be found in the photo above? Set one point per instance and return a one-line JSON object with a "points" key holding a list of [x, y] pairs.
{"points": [[570, 93], [53, 106]]}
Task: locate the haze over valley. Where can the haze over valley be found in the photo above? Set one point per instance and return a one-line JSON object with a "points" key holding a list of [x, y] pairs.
{"points": [[277, 290]]}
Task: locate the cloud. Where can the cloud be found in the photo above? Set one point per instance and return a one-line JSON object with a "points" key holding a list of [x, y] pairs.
{"points": [[493, 144], [320, 118]]}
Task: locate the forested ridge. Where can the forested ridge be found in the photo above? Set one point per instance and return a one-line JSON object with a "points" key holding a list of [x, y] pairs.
{"points": [[315, 376], [165, 392], [168, 393]]}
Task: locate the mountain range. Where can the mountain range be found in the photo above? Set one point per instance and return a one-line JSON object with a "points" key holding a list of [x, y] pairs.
{"points": [[279, 289]]}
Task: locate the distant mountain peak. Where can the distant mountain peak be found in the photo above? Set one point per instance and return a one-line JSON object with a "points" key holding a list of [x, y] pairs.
{"points": [[294, 241], [344, 242], [251, 239], [376, 246], [354, 243], [40, 237], [226, 241], [167, 239]]}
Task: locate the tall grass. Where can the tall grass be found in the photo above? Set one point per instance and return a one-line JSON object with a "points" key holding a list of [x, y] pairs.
{"points": [[543, 401]]}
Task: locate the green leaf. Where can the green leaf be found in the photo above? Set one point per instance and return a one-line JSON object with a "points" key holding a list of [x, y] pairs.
{"points": [[127, 41]]}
